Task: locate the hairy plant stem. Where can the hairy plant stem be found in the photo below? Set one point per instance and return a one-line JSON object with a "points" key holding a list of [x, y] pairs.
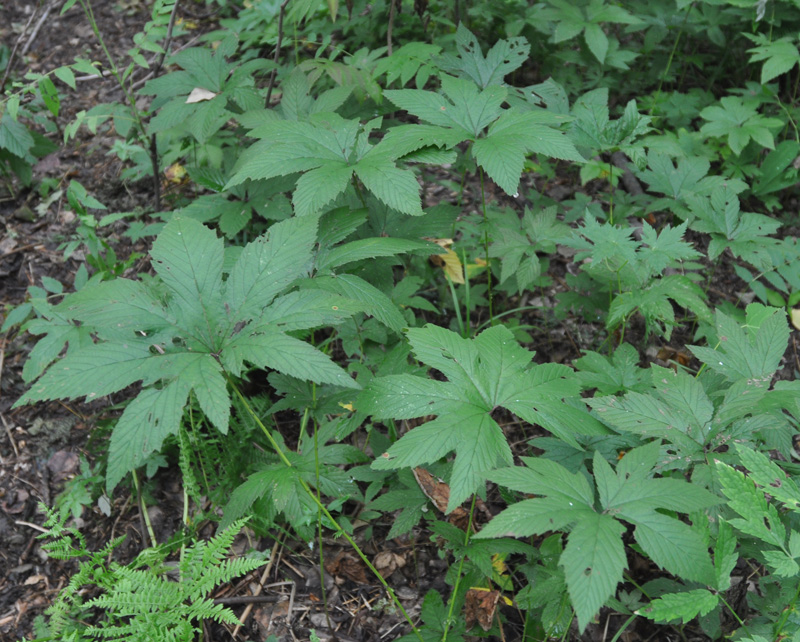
{"points": [[452, 600], [339, 530]]}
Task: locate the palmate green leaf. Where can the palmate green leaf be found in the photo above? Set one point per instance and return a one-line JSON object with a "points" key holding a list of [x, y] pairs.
{"points": [[479, 443], [407, 397], [594, 558], [329, 149], [740, 123], [779, 55], [468, 109], [510, 138], [482, 373], [503, 58], [181, 331], [671, 544], [747, 356], [678, 182]]}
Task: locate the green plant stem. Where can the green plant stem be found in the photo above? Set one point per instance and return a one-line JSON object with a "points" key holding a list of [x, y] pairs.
{"points": [[322, 589], [339, 530], [454, 595], [669, 61], [461, 329], [486, 249], [143, 511]]}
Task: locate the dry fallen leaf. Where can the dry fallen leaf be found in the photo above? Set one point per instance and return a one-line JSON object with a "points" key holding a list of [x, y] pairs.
{"points": [[480, 607], [199, 94], [435, 489], [387, 562], [347, 565], [439, 493]]}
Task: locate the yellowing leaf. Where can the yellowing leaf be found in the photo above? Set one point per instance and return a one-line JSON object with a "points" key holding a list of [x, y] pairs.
{"points": [[452, 266], [199, 95], [175, 173], [347, 406], [794, 315], [449, 261], [498, 563]]}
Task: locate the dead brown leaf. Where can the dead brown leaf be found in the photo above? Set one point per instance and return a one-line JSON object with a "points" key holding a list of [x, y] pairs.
{"points": [[480, 607], [387, 562]]}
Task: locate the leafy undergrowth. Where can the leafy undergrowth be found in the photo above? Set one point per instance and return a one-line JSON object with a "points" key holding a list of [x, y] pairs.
{"points": [[374, 228]]}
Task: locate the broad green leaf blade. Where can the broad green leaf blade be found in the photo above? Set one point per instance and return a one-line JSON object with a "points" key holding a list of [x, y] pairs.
{"points": [[408, 397], [685, 394], [305, 309], [455, 357], [188, 258], [48, 348], [396, 187], [204, 374], [404, 139], [534, 517], [95, 371], [562, 420], [593, 562], [478, 441], [147, 421], [318, 187], [671, 544], [546, 477], [503, 158], [372, 248], [374, 302], [267, 348], [118, 308], [268, 265], [672, 494], [680, 606], [502, 359], [503, 58], [597, 41]]}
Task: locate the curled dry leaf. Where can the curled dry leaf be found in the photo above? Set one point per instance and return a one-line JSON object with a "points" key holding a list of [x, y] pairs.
{"points": [[480, 607], [347, 565], [387, 562], [439, 493]]}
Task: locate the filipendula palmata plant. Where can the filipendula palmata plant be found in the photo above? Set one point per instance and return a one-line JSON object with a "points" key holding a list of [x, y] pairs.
{"points": [[189, 327]]}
